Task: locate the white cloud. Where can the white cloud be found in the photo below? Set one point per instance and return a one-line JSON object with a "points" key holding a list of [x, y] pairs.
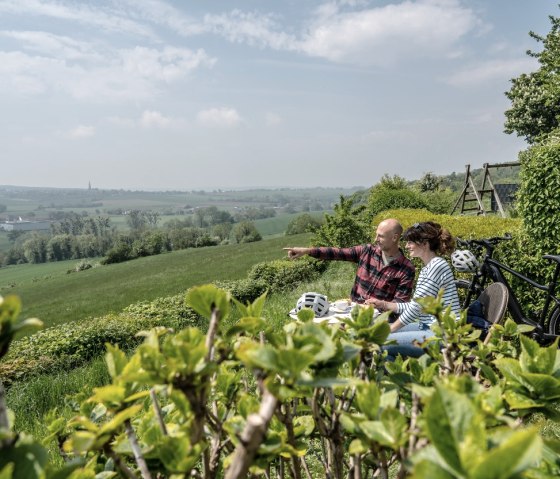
{"points": [[484, 72], [93, 72], [250, 28], [151, 119], [107, 17], [385, 35], [219, 117], [81, 131], [165, 65], [48, 44]]}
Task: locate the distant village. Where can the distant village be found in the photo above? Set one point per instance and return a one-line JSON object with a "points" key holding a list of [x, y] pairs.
{"points": [[24, 225]]}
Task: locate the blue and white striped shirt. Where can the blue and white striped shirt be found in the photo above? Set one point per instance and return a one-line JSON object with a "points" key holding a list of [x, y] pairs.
{"points": [[435, 275]]}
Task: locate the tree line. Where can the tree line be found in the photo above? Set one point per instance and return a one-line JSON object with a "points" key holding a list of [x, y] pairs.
{"points": [[76, 236]]}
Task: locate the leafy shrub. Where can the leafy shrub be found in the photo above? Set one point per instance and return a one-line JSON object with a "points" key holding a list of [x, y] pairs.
{"points": [[384, 198], [244, 290], [440, 201], [539, 194], [122, 251], [304, 223], [467, 227], [172, 310], [347, 226], [282, 274], [246, 232], [69, 345], [150, 243]]}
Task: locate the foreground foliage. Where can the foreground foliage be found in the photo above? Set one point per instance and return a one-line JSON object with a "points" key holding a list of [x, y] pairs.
{"points": [[314, 400]]}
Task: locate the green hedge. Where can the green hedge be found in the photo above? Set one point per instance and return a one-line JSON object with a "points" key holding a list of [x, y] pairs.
{"points": [[280, 275], [69, 345], [466, 227]]}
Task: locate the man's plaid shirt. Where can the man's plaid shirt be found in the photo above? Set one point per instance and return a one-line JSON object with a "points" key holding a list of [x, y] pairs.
{"points": [[393, 282]]}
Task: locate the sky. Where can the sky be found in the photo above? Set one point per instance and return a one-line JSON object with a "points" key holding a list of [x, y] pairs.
{"points": [[218, 94]]}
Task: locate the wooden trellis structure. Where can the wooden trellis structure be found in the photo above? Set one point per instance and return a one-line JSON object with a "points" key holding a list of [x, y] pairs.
{"points": [[471, 197]]}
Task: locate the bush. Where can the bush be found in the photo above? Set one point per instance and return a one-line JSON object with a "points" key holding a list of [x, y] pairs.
{"points": [[302, 224], [69, 345], [244, 290], [246, 232], [347, 226], [539, 194], [466, 227], [282, 274], [122, 251]]}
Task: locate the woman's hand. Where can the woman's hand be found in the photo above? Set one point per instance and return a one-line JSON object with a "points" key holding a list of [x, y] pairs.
{"points": [[380, 304]]}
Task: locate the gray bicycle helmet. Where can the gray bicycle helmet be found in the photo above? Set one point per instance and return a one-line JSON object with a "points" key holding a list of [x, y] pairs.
{"points": [[315, 301], [464, 261]]}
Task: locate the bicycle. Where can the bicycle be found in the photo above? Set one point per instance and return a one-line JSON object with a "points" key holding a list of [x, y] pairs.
{"points": [[486, 268]]}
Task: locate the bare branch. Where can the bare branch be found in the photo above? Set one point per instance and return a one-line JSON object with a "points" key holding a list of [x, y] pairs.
{"points": [[144, 471], [158, 412], [252, 437]]}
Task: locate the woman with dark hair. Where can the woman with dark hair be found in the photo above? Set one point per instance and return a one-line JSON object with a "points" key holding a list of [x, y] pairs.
{"points": [[425, 241]]}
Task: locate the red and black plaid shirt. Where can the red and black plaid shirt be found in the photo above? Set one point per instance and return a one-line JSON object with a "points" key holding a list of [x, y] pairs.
{"points": [[393, 282]]}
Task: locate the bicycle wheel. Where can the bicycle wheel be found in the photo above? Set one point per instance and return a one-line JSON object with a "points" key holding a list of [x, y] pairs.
{"points": [[554, 323]]}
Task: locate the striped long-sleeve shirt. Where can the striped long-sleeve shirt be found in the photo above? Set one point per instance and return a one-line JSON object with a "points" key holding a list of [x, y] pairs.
{"points": [[374, 279], [435, 275]]}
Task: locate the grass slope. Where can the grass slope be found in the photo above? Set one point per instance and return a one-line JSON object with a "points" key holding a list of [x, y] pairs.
{"points": [[277, 225], [49, 293]]}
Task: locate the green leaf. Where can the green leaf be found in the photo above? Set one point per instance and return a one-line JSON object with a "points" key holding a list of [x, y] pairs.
{"points": [[248, 324], [7, 471], [29, 460], [357, 446], [368, 398], [66, 471], [519, 451], [349, 350], [518, 400], [536, 359], [81, 441], [306, 315], [375, 431], [430, 470], [396, 426], [449, 420], [510, 368], [119, 419], [110, 395], [304, 425], [115, 359], [322, 382], [178, 455], [203, 299]]}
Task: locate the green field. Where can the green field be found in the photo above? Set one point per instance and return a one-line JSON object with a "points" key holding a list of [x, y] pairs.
{"points": [[51, 294], [277, 225]]}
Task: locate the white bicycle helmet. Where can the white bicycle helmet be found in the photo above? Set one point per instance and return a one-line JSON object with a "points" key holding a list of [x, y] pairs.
{"points": [[315, 301], [463, 260]]}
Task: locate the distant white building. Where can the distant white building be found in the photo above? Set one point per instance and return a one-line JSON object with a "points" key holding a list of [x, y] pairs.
{"points": [[24, 225]]}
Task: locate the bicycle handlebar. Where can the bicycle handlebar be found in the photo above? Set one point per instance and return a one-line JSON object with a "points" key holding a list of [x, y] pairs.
{"points": [[486, 242]]}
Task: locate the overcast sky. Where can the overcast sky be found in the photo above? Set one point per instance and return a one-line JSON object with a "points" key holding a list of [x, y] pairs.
{"points": [[192, 94]]}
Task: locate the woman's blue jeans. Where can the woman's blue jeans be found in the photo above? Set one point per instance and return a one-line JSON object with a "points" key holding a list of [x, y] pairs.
{"points": [[406, 337]]}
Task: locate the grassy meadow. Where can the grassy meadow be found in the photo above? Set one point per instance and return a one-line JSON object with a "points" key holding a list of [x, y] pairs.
{"points": [[50, 293], [277, 226]]}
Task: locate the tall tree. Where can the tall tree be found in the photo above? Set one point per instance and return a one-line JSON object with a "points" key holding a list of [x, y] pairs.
{"points": [[535, 97]]}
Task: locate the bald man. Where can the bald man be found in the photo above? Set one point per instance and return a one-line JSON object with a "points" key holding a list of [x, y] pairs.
{"points": [[383, 271]]}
